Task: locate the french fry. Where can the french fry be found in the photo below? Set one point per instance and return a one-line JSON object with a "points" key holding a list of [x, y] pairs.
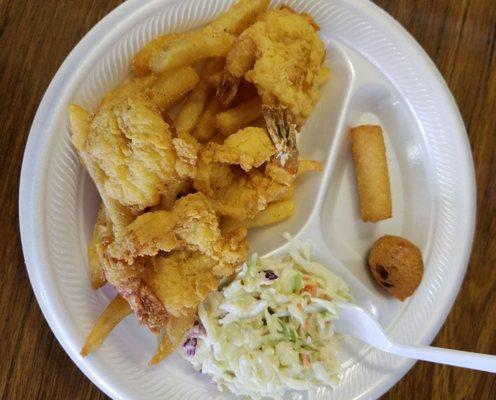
{"points": [[240, 16], [214, 79], [140, 62], [191, 48], [170, 89], [369, 156], [207, 124], [131, 87], [97, 276], [234, 119], [175, 329], [289, 194], [119, 215], [214, 40], [116, 311], [213, 66], [192, 109], [275, 212], [79, 120], [212, 72], [305, 166]]}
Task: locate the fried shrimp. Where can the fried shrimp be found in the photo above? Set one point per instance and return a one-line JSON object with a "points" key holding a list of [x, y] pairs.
{"points": [[132, 263], [127, 145], [130, 142], [282, 55], [268, 167]]}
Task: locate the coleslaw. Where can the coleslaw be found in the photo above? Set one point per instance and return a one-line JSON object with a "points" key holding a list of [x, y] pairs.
{"points": [[271, 328]]}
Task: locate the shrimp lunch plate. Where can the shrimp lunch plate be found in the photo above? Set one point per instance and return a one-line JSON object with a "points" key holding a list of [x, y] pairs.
{"points": [[379, 74]]}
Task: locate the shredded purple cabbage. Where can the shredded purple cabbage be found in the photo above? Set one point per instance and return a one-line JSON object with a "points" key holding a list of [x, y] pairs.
{"points": [[190, 343], [190, 346], [269, 274]]}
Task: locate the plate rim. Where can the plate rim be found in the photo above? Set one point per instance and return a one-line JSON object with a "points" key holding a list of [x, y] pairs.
{"points": [[27, 188]]}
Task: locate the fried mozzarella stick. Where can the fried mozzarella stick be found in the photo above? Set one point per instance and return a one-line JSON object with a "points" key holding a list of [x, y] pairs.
{"points": [[369, 156]]}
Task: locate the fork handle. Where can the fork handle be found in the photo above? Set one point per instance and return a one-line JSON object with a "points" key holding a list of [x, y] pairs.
{"points": [[464, 359]]}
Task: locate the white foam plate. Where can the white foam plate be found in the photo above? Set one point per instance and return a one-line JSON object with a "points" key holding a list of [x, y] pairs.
{"points": [[379, 74]]}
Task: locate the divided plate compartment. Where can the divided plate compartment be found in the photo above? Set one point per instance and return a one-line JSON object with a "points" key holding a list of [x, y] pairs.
{"points": [[327, 212], [371, 81]]}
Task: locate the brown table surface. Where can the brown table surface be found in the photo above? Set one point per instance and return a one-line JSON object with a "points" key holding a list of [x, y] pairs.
{"points": [[36, 36]]}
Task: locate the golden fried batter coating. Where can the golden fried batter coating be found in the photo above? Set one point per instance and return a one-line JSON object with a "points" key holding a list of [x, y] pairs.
{"points": [[282, 55], [191, 223], [132, 144], [186, 147], [249, 148], [152, 264], [182, 279]]}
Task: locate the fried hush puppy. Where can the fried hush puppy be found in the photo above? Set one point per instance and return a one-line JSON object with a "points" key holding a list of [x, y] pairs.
{"points": [[396, 264]]}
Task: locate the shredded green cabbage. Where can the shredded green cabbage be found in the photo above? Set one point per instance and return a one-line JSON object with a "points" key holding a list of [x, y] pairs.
{"points": [[271, 328]]}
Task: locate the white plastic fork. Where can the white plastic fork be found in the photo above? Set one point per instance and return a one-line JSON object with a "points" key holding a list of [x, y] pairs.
{"points": [[360, 324]]}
